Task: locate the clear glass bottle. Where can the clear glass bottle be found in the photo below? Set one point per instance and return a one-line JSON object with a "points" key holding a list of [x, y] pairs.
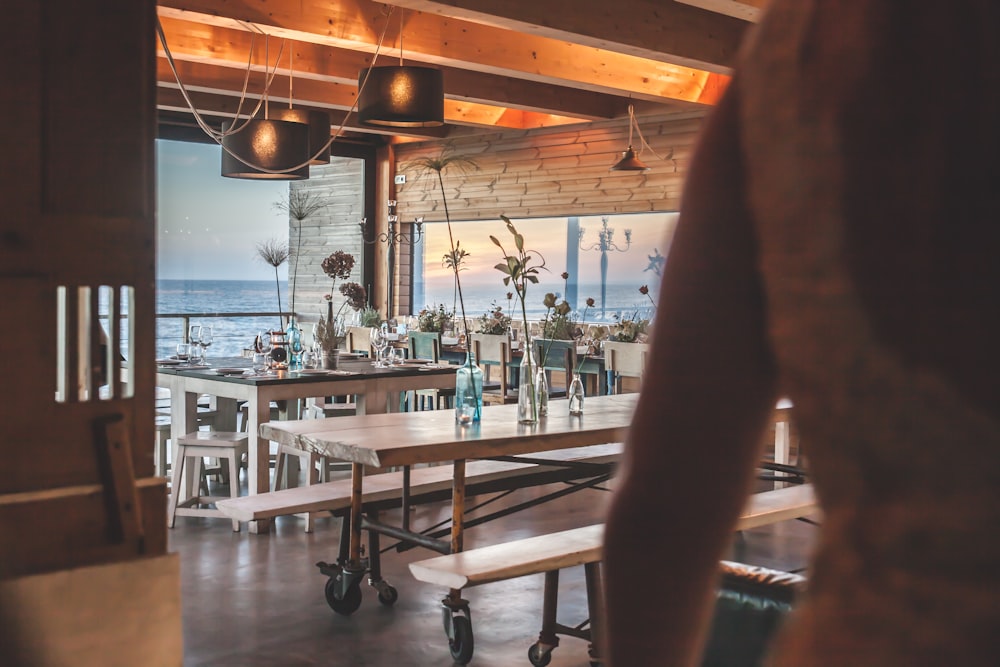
{"points": [[527, 400], [576, 395], [542, 391], [468, 392]]}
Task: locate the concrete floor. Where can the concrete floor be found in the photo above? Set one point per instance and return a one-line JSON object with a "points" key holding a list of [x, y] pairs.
{"points": [[256, 600]]}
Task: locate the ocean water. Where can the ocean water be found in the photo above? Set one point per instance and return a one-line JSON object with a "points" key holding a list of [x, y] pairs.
{"points": [[234, 333], [231, 333]]}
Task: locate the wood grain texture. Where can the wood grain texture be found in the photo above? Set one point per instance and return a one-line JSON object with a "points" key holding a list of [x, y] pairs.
{"points": [[555, 551]]}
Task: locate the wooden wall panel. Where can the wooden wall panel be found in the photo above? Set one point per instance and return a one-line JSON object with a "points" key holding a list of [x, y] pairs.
{"points": [[335, 227], [553, 172]]}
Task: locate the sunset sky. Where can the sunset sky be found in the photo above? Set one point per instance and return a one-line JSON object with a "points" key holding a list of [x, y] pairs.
{"points": [[208, 228]]}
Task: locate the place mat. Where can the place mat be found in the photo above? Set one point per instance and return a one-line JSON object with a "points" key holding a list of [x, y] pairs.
{"points": [[312, 371], [431, 367], [169, 362], [340, 372], [231, 371], [195, 367]]}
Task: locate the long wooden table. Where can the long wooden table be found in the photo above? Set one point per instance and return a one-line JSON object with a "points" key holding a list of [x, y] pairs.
{"points": [[406, 439], [376, 389]]}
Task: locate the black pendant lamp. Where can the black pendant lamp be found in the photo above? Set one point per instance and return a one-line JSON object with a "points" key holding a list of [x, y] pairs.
{"points": [[318, 121], [630, 159], [266, 149], [319, 131], [401, 95]]}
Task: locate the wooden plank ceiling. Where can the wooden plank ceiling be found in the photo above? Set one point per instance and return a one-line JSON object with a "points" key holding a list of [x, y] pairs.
{"points": [[507, 63]]}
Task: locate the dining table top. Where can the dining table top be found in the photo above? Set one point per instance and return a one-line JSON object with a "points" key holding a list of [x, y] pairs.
{"points": [[408, 438], [237, 370]]}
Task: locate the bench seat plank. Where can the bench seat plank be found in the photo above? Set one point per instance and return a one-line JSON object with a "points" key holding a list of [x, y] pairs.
{"points": [[336, 495], [577, 546]]}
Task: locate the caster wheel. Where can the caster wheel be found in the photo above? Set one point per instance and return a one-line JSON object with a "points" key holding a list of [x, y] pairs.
{"points": [[388, 595], [344, 606], [462, 645], [537, 658]]}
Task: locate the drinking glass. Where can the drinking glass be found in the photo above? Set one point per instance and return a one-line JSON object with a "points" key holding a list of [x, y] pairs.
{"points": [[183, 352], [259, 362], [379, 342], [194, 343], [206, 339]]}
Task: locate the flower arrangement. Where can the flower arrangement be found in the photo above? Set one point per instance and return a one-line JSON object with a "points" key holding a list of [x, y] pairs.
{"points": [[299, 205], [329, 332], [519, 267], [430, 319], [628, 329], [494, 321], [558, 323], [274, 253], [369, 317]]}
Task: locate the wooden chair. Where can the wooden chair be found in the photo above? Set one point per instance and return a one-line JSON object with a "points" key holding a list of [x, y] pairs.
{"points": [[493, 350], [623, 360], [427, 345], [558, 356], [359, 339]]}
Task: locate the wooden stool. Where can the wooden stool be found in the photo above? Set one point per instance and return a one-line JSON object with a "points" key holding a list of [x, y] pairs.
{"points": [[160, 446], [222, 445]]}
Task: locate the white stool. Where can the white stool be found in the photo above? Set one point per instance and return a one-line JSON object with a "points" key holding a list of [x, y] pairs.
{"points": [[160, 446], [222, 445]]}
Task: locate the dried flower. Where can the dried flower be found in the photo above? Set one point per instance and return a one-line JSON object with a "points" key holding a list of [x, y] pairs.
{"points": [[644, 290], [564, 275], [590, 302], [338, 265], [356, 295], [510, 295], [275, 253], [550, 300]]}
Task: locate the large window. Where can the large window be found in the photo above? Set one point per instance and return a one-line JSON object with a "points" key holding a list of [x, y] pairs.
{"points": [[208, 228], [628, 265]]}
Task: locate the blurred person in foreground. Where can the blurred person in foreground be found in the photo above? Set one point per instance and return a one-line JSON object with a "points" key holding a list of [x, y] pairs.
{"points": [[839, 244]]}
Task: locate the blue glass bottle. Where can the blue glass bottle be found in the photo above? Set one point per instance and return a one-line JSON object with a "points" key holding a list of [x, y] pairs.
{"points": [[468, 392], [293, 335]]}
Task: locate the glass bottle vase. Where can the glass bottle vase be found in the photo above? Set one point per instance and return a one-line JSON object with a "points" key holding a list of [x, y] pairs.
{"points": [[468, 392], [293, 336], [576, 396], [542, 391], [527, 400]]}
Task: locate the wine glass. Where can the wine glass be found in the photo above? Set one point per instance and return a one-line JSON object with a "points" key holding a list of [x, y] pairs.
{"points": [[194, 338], [379, 342], [206, 339]]}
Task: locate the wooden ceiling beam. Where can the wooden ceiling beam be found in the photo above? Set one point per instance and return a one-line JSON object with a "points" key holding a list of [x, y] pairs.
{"points": [[213, 80], [358, 24], [747, 10], [197, 42], [665, 31]]}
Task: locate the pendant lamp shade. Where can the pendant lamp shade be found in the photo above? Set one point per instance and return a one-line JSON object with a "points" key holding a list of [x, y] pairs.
{"points": [[629, 162], [275, 145], [401, 96], [319, 131]]}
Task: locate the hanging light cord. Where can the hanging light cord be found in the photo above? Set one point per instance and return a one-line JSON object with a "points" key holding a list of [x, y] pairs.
{"points": [[642, 140], [237, 126]]}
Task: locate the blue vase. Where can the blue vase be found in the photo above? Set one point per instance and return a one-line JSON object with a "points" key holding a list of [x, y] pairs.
{"points": [[293, 336], [468, 392]]}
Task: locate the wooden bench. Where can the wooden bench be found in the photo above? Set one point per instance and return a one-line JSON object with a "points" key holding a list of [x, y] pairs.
{"points": [[426, 484], [553, 552]]}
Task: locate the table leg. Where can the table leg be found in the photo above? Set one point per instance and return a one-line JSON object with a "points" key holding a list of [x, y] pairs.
{"points": [[258, 455], [354, 550]]}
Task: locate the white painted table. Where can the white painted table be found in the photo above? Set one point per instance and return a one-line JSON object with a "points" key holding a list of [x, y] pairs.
{"points": [[377, 391]]}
